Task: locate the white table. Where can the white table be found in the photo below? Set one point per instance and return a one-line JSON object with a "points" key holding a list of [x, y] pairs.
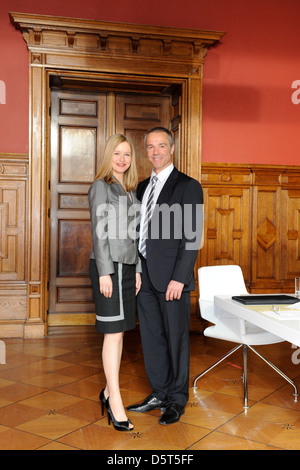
{"points": [[286, 328]]}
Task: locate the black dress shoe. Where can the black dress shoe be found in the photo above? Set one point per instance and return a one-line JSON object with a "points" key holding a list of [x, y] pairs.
{"points": [[118, 425], [103, 400], [150, 403], [172, 414]]}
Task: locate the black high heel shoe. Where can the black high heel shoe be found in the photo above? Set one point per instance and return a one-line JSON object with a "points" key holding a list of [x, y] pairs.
{"points": [[103, 400], [118, 425]]}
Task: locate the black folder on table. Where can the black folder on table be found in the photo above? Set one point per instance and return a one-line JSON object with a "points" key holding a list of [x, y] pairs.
{"points": [[268, 299]]}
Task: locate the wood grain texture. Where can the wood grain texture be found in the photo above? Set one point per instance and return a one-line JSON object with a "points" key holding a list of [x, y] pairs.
{"points": [[252, 219]]}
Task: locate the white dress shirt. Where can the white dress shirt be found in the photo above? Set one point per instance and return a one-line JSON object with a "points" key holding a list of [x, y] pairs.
{"points": [[162, 178]]}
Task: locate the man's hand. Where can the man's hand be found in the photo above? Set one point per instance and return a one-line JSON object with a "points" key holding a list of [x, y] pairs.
{"points": [[174, 290], [106, 285], [138, 283]]}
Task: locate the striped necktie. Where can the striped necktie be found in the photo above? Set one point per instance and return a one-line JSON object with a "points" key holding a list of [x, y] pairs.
{"points": [[148, 214]]}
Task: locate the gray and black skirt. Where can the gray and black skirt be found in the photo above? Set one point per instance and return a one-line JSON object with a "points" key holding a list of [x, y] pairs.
{"points": [[117, 313]]}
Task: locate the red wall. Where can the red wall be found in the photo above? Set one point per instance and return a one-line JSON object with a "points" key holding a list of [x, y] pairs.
{"points": [[248, 113]]}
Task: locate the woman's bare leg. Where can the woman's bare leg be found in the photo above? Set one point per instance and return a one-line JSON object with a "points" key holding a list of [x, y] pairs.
{"points": [[111, 357]]}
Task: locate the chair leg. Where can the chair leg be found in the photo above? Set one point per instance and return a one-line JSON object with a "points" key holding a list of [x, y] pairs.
{"points": [[277, 370], [216, 363], [245, 375]]}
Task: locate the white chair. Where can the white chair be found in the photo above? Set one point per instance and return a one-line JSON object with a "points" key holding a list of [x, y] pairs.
{"points": [[229, 280]]}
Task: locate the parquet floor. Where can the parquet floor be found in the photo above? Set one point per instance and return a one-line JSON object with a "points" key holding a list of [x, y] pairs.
{"points": [[49, 392]]}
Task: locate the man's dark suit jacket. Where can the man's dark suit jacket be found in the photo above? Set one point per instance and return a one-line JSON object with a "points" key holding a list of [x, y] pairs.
{"points": [[169, 255]]}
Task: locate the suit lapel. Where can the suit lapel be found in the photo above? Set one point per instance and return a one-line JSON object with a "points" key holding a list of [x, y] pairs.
{"points": [[120, 191], [165, 195], [142, 188], [168, 188], [165, 192]]}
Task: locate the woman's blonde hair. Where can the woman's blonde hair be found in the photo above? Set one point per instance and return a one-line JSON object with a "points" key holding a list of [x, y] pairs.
{"points": [[105, 169]]}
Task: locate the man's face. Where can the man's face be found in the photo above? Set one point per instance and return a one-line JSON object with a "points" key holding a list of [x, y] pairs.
{"points": [[159, 150]]}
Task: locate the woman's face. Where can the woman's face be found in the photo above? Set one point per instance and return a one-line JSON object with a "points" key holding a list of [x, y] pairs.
{"points": [[121, 160]]}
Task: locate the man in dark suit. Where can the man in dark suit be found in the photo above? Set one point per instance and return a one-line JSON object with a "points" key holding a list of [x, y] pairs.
{"points": [[172, 211]]}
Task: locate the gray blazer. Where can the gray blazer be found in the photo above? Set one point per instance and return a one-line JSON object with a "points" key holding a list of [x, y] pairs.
{"points": [[114, 218]]}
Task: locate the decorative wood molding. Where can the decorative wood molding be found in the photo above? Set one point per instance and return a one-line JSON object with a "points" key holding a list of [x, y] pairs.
{"points": [[66, 36], [13, 165]]}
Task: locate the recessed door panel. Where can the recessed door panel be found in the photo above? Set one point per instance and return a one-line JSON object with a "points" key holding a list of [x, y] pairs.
{"points": [[78, 154], [78, 135], [135, 115]]}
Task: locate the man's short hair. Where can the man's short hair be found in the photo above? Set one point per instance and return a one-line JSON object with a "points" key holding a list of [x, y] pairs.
{"points": [[161, 129]]}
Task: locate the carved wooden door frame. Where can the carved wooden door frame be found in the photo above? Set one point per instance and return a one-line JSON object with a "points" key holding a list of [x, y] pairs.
{"points": [[100, 51]]}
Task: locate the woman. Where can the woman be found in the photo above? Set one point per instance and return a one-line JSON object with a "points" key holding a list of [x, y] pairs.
{"points": [[114, 263]]}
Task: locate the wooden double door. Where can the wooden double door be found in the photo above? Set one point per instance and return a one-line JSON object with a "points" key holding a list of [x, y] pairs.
{"points": [[81, 122]]}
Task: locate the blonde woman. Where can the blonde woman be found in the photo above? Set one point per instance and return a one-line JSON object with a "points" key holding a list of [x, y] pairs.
{"points": [[114, 263]]}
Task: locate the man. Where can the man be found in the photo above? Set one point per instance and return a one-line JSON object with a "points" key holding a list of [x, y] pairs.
{"points": [[168, 254]]}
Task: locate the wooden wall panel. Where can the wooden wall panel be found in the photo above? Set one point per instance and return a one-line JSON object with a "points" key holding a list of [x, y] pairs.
{"points": [[227, 222], [290, 216], [266, 237], [252, 218], [13, 212]]}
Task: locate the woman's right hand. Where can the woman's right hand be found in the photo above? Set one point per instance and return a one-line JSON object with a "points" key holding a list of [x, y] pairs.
{"points": [[106, 286]]}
